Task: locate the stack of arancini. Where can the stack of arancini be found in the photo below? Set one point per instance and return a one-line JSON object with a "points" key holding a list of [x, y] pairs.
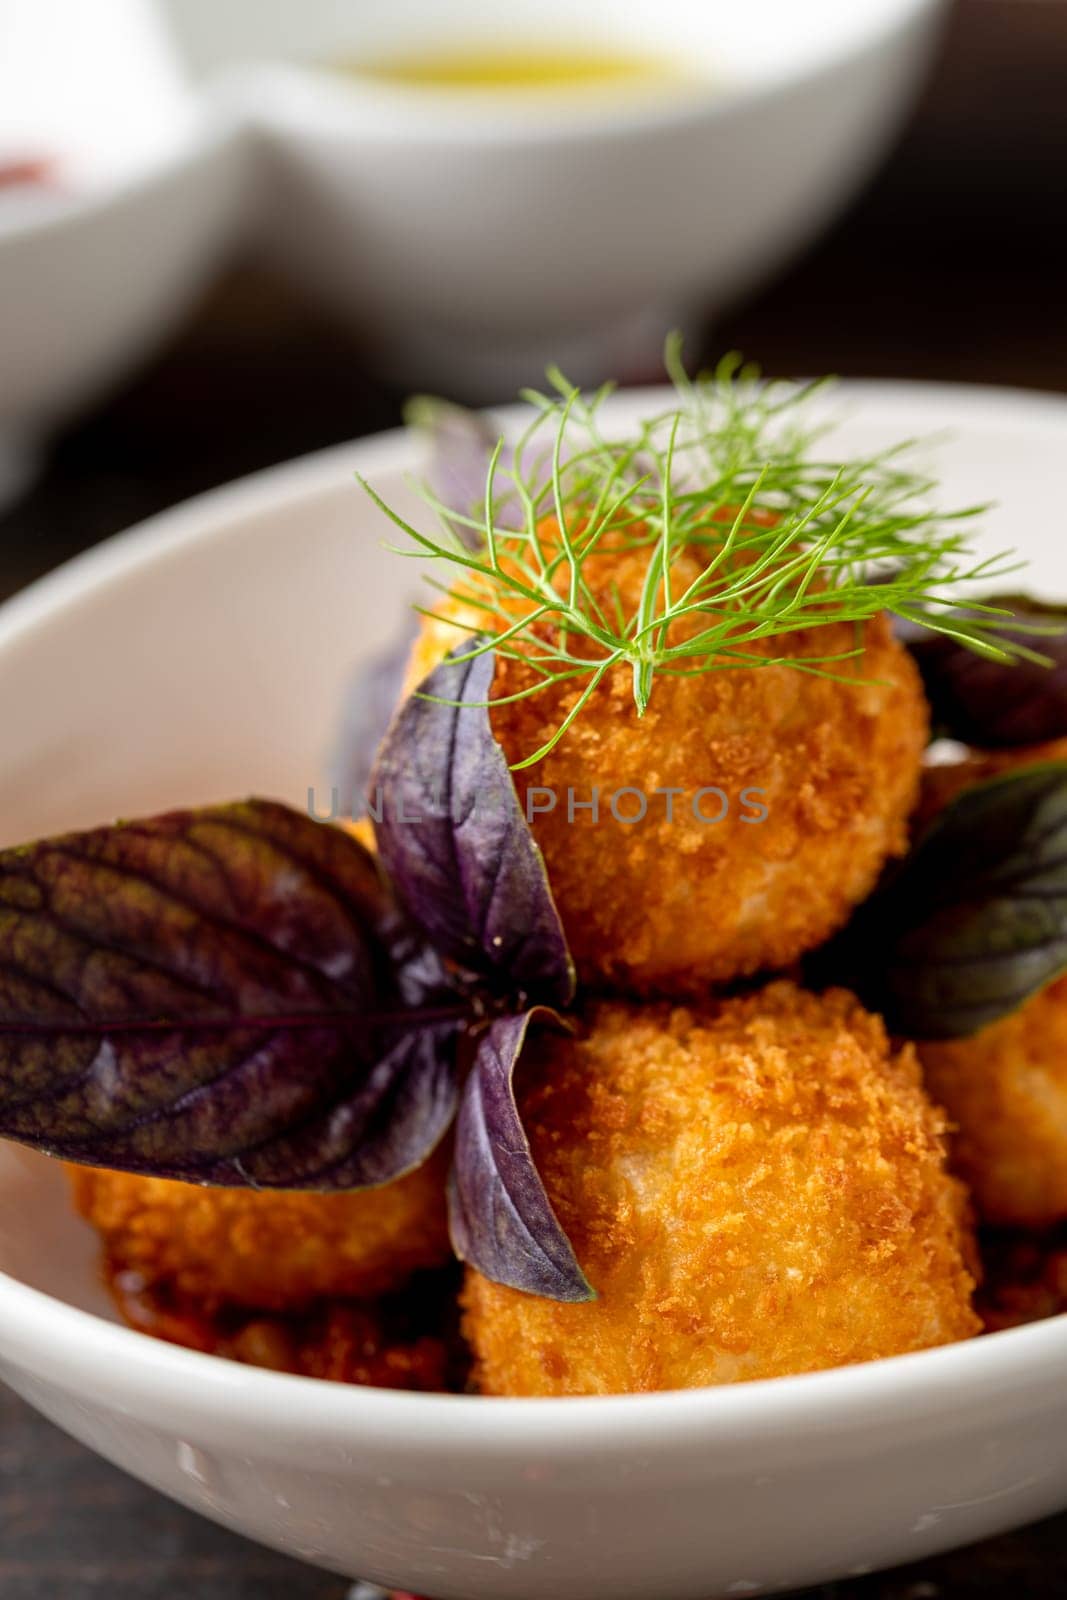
{"points": [[754, 1184]]}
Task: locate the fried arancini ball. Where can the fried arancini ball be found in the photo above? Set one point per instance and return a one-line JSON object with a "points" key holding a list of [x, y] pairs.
{"points": [[677, 900], [1005, 1087], [1005, 1090], [753, 1189], [271, 1250]]}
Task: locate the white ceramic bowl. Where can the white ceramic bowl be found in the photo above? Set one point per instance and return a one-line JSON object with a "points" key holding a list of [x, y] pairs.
{"points": [[203, 657], [89, 287], [150, 187], [473, 240]]}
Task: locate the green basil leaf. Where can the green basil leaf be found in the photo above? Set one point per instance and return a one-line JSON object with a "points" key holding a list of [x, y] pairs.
{"points": [[975, 922]]}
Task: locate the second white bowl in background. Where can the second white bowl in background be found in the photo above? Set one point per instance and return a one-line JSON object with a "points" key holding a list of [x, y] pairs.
{"points": [[474, 239]]}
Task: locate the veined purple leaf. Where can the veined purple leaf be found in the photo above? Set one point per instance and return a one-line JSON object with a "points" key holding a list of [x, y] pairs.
{"points": [[462, 444], [500, 1217], [997, 704], [224, 995], [453, 838], [373, 696], [385, 1126]]}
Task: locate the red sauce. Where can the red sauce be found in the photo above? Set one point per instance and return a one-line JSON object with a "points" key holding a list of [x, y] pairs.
{"points": [[25, 174], [407, 1342]]}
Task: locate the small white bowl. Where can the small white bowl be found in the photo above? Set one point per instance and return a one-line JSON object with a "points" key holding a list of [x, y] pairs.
{"points": [[472, 238], [90, 285], [204, 656], [147, 186]]}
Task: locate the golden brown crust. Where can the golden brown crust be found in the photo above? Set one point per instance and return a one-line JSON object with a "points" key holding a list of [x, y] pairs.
{"points": [[267, 1250], [668, 906], [1006, 1090], [754, 1189]]}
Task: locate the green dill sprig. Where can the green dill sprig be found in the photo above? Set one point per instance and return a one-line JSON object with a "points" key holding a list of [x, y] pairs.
{"points": [[734, 472]]}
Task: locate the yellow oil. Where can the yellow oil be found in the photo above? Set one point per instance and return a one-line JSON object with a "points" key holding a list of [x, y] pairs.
{"points": [[523, 69]]}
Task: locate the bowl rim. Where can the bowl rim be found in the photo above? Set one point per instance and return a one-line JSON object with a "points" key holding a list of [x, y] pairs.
{"points": [[309, 97], [44, 1336]]}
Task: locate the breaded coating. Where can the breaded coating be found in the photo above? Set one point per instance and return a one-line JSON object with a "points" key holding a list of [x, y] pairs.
{"points": [[1005, 1087], [268, 1250], [753, 1189], [670, 903]]}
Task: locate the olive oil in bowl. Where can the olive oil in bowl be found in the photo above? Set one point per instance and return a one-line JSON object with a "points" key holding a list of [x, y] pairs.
{"points": [[532, 70]]}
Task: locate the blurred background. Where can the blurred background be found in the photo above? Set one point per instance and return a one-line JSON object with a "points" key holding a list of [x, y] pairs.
{"points": [[950, 265], [234, 233]]}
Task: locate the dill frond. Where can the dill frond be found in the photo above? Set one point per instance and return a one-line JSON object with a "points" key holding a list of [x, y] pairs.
{"points": [[736, 472]]}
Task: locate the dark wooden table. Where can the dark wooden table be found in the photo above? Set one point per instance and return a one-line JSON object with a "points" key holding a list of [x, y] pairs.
{"points": [[954, 266]]}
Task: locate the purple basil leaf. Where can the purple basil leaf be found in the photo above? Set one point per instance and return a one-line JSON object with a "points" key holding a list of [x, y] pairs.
{"points": [[224, 996], [453, 838], [997, 704], [462, 444], [380, 1129], [461, 447], [500, 1217], [373, 695], [975, 920]]}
